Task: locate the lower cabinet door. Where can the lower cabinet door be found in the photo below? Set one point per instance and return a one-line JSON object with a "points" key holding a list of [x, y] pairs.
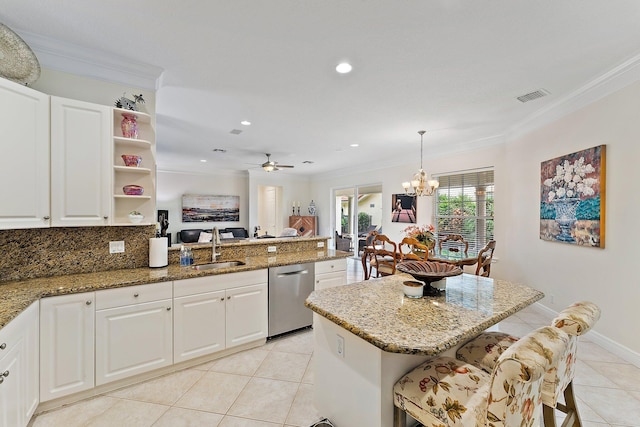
{"points": [[67, 324], [198, 325], [133, 339], [330, 280], [11, 388], [247, 316]]}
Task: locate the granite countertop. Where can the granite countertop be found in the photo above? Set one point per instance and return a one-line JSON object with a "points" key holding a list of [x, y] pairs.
{"points": [[250, 241], [378, 312], [18, 295]]}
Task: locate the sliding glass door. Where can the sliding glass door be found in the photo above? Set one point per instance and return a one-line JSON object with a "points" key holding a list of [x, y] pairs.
{"points": [[358, 210]]}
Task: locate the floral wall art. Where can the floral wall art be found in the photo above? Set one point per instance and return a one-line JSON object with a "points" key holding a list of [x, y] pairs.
{"points": [[572, 198]]}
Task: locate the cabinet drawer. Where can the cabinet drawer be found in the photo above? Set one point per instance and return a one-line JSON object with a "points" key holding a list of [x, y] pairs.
{"points": [[331, 266], [219, 282], [119, 297]]}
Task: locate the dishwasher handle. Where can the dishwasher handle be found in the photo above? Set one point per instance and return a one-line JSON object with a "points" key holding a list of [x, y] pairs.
{"points": [[293, 273]]}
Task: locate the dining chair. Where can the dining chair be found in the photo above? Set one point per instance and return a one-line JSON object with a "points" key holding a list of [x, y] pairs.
{"points": [[449, 392], [414, 250], [485, 350], [484, 259], [453, 242], [384, 256], [366, 246]]}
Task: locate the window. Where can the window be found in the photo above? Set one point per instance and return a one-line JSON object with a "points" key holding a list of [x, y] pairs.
{"points": [[464, 205]]}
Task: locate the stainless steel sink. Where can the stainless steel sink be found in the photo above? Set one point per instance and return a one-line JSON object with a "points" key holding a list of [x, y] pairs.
{"points": [[218, 264]]}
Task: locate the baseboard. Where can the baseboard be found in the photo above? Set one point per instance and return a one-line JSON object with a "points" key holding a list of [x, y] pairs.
{"points": [[610, 345]]}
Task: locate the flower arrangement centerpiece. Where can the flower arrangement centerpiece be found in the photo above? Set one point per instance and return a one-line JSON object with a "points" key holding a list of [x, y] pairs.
{"points": [[570, 181], [422, 233]]}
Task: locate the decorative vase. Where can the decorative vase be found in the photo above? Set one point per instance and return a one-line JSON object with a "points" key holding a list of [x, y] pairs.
{"points": [[566, 217], [312, 208], [129, 125]]}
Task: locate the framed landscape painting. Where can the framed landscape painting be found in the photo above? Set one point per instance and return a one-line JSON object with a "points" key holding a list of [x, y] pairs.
{"points": [[204, 208], [403, 208], [572, 198]]}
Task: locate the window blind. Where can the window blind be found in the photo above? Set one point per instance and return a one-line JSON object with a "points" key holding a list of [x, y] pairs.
{"points": [[464, 205]]}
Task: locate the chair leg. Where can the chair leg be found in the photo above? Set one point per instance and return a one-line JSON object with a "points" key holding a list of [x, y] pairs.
{"points": [[573, 417], [549, 416], [399, 417]]}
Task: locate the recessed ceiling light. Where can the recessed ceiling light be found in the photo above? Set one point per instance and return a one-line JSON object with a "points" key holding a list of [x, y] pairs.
{"points": [[344, 68], [354, 145], [245, 123], [203, 160]]}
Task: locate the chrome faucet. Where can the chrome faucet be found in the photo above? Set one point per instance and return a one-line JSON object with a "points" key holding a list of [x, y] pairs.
{"points": [[215, 241]]}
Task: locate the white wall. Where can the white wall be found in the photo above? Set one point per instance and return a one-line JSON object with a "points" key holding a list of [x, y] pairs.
{"points": [[570, 273], [172, 185]]}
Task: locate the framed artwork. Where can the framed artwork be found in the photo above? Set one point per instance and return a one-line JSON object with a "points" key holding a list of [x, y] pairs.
{"points": [[204, 208], [403, 208], [572, 198]]}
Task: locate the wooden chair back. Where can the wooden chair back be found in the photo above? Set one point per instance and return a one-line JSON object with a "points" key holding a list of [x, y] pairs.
{"points": [[484, 259], [454, 243], [411, 244], [384, 256]]}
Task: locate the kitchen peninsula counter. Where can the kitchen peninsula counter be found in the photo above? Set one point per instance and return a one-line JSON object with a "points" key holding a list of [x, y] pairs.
{"points": [[368, 334], [18, 295]]}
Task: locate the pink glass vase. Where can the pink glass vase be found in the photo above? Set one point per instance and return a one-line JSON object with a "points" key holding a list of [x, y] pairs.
{"points": [[129, 126]]}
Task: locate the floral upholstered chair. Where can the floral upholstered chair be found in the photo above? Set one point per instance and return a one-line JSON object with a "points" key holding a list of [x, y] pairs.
{"points": [[577, 319], [448, 392]]}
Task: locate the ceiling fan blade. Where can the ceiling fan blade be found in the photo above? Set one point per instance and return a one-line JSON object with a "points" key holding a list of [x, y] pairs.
{"points": [[279, 166]]}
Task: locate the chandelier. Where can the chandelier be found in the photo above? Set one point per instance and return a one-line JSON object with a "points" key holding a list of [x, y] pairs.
{"points": [[420, 185]]}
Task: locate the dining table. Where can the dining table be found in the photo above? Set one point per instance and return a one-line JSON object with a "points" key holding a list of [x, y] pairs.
{"points": [[459, 258]]}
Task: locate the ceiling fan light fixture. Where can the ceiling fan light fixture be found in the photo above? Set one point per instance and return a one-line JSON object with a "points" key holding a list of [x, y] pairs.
{"points": [[269, 168], [344, 68], [420, 185]]}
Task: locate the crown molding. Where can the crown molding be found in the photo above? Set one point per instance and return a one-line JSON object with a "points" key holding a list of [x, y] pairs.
{"points": [[615, 79], [74, 59]]}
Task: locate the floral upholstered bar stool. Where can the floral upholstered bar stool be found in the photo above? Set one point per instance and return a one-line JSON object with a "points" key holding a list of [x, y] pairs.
{"points": [[484, 351], [448, 392]]}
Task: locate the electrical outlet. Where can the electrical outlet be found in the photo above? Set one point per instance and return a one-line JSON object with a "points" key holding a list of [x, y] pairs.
{"points": [[116, 247], [320, 253], [321, 244], [271, 248], [272, 259], [340, 345]]}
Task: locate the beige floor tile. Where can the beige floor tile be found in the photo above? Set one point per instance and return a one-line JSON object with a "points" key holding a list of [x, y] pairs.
{"points": [[165, 390], [534, 318], [591, 424], [586, 413], [77, 414], [309, 377], [301, 342], [626, 376], [245, 422], [586, 375], [614, 406], [265, 400], [591, 351], [179, 417], [518, 329], [283, 366], [214, 392], [302, 412], [129, 413], [243, 363]]}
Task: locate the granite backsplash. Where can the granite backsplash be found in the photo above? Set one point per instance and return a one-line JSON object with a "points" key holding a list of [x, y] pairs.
{"points": [[44, 252]]}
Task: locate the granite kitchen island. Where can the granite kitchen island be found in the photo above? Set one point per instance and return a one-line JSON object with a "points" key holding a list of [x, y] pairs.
{"points": [[367, 335]]}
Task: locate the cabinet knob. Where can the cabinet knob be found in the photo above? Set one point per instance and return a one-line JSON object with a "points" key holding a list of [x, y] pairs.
{"points": [[168, 308], [317, 281], [222, 299], [229, 297], [46, 218], [1, 379], [106, 217], [3, 346], [136, 295], [88, 302], [331, 265], [5, 373]]}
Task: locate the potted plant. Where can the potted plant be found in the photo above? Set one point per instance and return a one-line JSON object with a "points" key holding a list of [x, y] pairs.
{"points": [[135, 217]]}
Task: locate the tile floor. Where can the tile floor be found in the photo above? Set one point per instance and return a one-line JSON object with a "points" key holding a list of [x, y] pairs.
{"points": [[272, 386]]}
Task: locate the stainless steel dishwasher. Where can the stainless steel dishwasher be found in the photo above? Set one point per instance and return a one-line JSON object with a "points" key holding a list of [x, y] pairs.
{"points": [[289, 286]]}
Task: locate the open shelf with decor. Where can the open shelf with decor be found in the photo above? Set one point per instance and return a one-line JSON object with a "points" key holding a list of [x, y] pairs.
{"points": [[134, 167]]}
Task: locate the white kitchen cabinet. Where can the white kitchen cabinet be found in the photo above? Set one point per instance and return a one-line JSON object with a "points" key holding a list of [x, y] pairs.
{"points": [[247, 314], [31, 327], [134, 331], [80, 163], [330, 273], [17, 373], [217, 312], [66, 344], [24, 164], [199, 325]]}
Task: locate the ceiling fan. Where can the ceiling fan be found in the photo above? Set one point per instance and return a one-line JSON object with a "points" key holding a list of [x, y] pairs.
{"points": [[270, 166]]}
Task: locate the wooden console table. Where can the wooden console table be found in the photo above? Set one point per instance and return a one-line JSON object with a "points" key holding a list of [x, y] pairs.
{"points": [[306, 225]]}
